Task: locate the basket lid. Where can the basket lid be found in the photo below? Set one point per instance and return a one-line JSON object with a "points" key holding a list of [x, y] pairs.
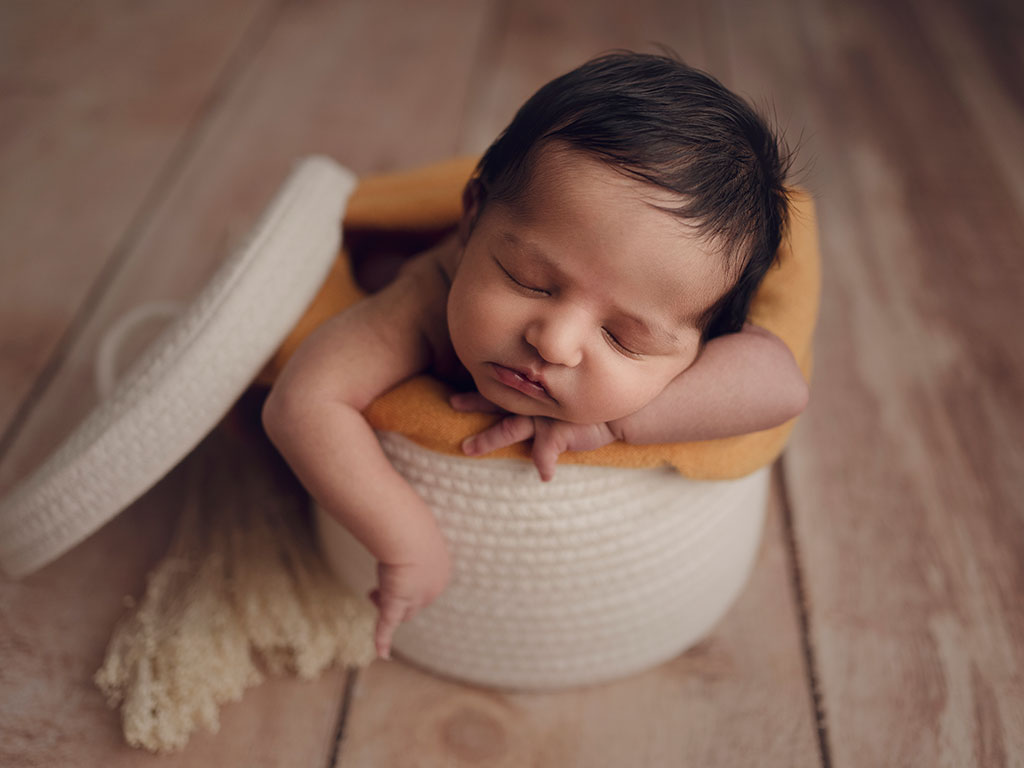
{"points": [[188, 379]]}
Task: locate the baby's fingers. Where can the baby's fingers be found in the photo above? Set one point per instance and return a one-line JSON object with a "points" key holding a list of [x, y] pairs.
{"points": [[508, 431], [545, 461], [393, 611], [547, 447]]}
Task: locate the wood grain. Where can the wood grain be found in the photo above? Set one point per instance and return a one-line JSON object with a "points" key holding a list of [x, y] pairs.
{"points": [[98, 99], [737, 699], [55, 625], [981, 46], [534, 42], [906, 473]]}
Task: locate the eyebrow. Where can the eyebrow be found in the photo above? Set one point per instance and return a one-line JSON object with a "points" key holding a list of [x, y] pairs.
{"points": [[658, 332]]}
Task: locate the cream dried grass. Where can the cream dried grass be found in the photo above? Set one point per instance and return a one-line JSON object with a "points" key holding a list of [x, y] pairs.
{"points": [[241, 591]]}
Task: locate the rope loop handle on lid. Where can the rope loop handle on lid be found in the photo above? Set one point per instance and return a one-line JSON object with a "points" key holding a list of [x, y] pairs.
{"points": [[105, 370]]}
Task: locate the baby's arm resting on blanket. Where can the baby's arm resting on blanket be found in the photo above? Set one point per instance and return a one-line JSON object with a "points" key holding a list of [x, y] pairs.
{"points": [[741, 382], [314, 417]]}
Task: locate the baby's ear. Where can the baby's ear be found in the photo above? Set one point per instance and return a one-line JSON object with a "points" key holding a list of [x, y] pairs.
{"points": [[472, 203]]}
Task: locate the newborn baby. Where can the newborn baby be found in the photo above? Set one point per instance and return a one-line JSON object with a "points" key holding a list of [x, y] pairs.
{"points": [[596, 290]]}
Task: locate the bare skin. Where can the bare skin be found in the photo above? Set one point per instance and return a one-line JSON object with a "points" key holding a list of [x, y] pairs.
{"points": [[576, 314]]}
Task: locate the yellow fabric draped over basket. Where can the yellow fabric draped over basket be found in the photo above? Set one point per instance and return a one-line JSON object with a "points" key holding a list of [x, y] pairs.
{"points": [[428, 200]]}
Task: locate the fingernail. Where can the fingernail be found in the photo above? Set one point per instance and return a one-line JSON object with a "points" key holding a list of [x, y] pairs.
{"points": [[468, 447]]}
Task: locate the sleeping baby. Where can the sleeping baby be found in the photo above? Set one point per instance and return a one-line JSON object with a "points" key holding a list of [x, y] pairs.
{"points": [[596, 290]]}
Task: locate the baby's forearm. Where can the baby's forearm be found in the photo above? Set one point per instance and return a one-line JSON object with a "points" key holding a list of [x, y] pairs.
{"points": [[335, 454], [742, 382]]}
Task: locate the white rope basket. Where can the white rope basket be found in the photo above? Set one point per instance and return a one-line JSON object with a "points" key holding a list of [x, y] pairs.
{"points": [[600, 573]]}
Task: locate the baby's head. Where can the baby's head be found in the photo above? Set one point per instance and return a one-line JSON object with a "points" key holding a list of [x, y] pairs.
{"points": [[626, 215]]}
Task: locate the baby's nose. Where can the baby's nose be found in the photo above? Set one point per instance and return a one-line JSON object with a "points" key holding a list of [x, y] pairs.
{"points": [[558, 340]]}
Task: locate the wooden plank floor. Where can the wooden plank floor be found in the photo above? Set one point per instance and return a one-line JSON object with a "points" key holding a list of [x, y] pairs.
{"points": [[884, 621]]}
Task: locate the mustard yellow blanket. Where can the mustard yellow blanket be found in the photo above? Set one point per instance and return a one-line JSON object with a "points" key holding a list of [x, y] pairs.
{"points": [[428, 201]]}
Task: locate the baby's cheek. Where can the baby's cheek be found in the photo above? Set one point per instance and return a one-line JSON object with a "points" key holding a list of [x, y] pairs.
{"points": [[638, 388], [469, 322], [611, 395]]}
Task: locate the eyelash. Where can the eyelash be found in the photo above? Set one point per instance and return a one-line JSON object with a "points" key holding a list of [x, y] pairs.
{"points": [[611, 336], [620, 346], [524, 286]]}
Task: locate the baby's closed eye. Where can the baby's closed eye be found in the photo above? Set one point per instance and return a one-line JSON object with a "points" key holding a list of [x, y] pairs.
{"points": [[522, 281], [625, 347]]}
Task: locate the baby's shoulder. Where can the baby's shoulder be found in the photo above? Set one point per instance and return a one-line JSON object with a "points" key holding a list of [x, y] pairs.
{"points": [[419, 297], [425, 280], [413, 310]]}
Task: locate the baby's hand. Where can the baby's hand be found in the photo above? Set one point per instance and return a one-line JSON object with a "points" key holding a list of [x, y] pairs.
{"points": [[404, 589], [551, 437]]}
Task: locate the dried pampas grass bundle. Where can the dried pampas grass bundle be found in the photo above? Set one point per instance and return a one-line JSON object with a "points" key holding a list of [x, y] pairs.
{"points": [[241, 592]]}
